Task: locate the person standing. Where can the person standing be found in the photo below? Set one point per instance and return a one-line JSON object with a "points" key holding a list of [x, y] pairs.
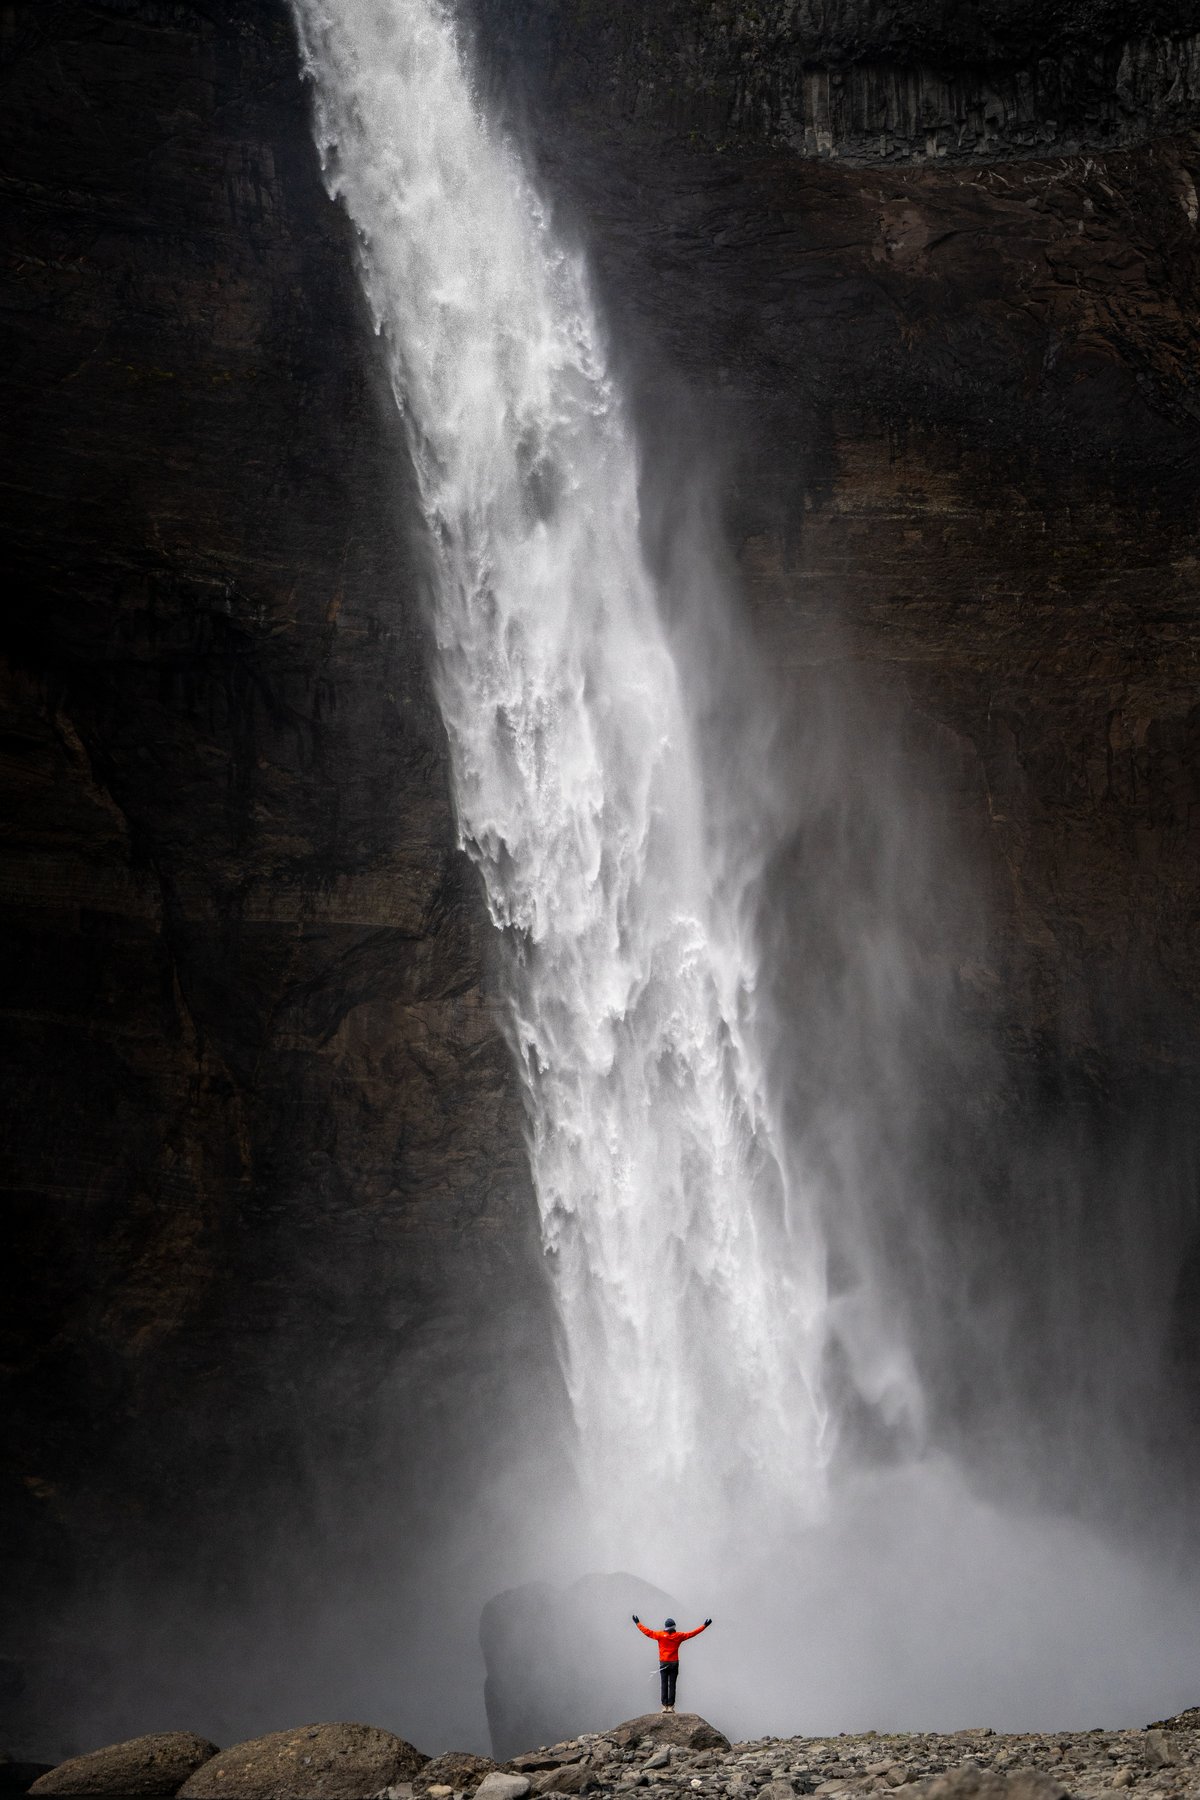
{"points": [[669, 1640]]}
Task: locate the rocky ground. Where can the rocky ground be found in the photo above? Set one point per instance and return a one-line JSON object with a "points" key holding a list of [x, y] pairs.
{"points": [[677, 1754], [680, 1755]]}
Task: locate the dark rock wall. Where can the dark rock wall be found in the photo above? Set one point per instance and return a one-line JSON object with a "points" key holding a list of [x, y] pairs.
{"points": [[962, 412], [875, 81], [267, 1218]]}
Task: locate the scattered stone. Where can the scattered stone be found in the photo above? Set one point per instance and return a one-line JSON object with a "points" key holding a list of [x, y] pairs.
{"points": [[974, 1764], [1188, 1720], [1160, 1750], [311, 1762], [970, 1782], [155, 1765], [499, 1786], [557, 1756], [1032, 1784], [575, 1778], [461, 1771]]}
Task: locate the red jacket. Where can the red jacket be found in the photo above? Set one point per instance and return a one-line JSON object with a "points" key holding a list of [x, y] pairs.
{"points": [[669, 1641]]}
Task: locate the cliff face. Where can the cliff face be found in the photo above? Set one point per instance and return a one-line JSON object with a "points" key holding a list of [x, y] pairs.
{"points": [[960, 407], [962, 414], [874, 81], [957, 408], [264, 1145], [267, 1209]]}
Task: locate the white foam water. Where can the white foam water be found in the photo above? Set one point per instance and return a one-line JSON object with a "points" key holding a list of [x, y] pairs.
{"points": [[686, 1260]]}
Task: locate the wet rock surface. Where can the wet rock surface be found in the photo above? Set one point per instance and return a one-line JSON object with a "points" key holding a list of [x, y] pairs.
{"points": [[155, 1765]]}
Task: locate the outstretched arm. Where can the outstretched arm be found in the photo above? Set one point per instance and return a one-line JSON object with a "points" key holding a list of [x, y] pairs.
{"points": [[645, 1629], [696, 1633]]}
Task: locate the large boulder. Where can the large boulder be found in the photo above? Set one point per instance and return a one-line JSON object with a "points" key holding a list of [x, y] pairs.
{"points": [[688, 1730], [502, 1786], [1160, 1749], [138, 1769], [312, 1762]]}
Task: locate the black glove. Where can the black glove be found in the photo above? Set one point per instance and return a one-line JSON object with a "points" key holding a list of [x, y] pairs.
{"points": [[708, 1621], [636, 1620]]}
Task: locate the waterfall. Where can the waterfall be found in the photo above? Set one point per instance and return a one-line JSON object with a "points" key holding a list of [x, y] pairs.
{"points": [[686, 1261], [729, 1021]]}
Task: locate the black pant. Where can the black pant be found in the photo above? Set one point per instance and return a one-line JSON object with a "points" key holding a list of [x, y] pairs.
{"points": [[668, 1674]]}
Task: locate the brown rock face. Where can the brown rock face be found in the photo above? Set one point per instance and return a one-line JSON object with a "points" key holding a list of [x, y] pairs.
{"points": [[315, 1762], [147, 1766]]}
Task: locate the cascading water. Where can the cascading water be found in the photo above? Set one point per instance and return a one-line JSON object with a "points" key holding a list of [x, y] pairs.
{"points": [[688, 1271], [622, 861]]}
